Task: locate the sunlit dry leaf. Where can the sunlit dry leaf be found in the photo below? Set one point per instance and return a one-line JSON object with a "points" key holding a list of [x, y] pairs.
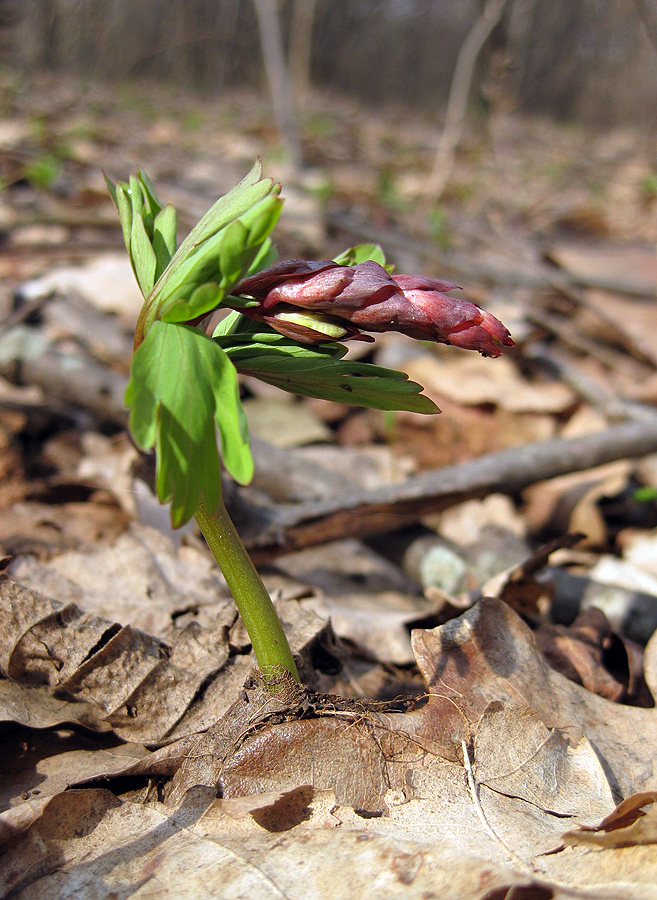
{"points": [[569, 502], [273, 810], [368, 600], [518, 586], [465, 380], [140, 579], [529, 735], [627, 826], [45, 529], [517, 755], [41, 764], [621, 265], [641, 551], [577, 651], [35, 707], [463, 522], [144, 688], [631, 322], [488, 654], [650, 665], [89, 844]]}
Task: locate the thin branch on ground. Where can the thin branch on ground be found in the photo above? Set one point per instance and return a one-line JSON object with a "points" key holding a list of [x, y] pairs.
{"points": [[268, 531]]}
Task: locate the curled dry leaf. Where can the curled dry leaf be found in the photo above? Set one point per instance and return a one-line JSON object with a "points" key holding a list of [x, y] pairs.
{"points": [[54, 653], [570, 502], [630, 824], [518, 586], [539, 749], [484, 664], [577, 651]]}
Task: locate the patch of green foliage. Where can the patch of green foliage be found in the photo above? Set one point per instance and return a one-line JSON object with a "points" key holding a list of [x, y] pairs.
{"points": [[183, 393]]}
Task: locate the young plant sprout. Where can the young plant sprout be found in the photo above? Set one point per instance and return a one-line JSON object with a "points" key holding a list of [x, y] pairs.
{"points": [[286, 325]]}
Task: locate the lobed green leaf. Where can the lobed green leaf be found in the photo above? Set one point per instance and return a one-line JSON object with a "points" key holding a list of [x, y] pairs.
{"points": [[165, 229], [251, 190], [206, 261], [144, 260], [319, 371], [182, 385]]}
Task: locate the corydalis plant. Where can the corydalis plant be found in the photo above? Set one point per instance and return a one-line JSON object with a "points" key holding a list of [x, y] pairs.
{"points": [[286, 327]]}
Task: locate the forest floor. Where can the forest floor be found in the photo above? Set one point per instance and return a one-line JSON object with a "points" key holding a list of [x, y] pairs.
{"points": [[493, 570]]}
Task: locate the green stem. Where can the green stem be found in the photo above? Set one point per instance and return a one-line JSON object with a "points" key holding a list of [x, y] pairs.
{"points": [[253, 602]]}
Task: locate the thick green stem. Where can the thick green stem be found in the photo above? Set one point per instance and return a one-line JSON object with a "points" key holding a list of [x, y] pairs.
{"points": [[253, 602]]}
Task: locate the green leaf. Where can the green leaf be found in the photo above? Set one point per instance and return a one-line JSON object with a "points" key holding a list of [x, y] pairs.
{"points": [[204, 263], [252, 189], [111, 187], [151, 199], [233, 252], [136, 196], [182, 384], [318, 371], [203, 300], [144, 261], [361, 253], [232, 323], [165, 229], [124, 208], [265, 256]]}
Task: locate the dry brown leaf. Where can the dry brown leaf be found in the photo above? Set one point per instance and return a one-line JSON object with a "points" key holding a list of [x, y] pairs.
{"points": [[39, 764], [90, 844], [463, 522], [120, 673], [577, 652], [518, 586], [489, 654], [35, 707], [529, 754], [367, 598], [621, 265], [627, 826], [631, 322], [472, 381], [461, 432], [641, 551], [275, 810], [570, 502], [650, 665], [284, 423], [45, 529], [139, 579]]}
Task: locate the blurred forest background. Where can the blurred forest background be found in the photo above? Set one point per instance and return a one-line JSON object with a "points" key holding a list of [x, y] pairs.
{"points": [[587, 60]]}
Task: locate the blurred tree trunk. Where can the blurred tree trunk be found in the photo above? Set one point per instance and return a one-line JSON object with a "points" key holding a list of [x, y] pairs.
{"points": [[47, 27], [459, 93], [278, 76], [301, 34], [648, 12]]}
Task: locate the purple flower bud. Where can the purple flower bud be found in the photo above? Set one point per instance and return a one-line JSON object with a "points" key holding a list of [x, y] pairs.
{"points": [[364, 297]]}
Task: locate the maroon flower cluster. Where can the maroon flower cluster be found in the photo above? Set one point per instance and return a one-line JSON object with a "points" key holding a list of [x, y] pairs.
{"points": [[340, 302]]}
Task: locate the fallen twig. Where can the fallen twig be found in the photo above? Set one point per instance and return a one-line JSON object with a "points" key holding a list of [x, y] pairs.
{"points": [[269, 531]]}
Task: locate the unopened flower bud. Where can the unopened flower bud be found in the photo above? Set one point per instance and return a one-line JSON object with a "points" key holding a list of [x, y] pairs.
{"points": [[364, 297]]}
